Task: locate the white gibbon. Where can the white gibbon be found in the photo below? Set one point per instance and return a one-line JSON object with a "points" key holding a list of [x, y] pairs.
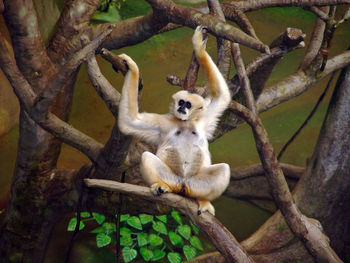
{"points": [[182, 163]]}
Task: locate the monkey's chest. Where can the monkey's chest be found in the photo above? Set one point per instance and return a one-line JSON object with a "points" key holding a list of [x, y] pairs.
{"points": [[184, 153]]}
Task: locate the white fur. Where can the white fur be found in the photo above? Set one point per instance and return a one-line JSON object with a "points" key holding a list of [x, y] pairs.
{"points": [[182, 161]]}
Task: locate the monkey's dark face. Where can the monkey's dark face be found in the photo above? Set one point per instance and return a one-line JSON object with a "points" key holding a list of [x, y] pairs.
{"points": [[187, 106], [183, 105]]}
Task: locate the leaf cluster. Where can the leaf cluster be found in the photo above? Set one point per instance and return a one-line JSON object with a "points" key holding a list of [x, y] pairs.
{"points": [[149, 238]]}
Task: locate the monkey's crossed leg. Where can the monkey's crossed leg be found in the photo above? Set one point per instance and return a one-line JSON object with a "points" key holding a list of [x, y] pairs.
{"points": [[209, 183]]}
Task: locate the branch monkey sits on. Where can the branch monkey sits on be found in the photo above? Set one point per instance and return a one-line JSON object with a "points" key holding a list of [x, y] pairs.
{"points": [[182, 163]]}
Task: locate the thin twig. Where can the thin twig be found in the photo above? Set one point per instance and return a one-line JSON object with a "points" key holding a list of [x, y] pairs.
{"points": [[79, 207], [308, 118], [117, 223], [242, 75]]}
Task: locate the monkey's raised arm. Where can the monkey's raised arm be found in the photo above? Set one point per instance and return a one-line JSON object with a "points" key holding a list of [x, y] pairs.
{"points": [[220, 94], [146, 126]]}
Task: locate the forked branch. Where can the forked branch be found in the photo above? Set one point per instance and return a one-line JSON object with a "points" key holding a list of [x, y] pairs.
{"points": [[308, 230]]}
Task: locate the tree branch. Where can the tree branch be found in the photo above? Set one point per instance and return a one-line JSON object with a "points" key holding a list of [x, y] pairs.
{"points": [[102, 86], [318, 12], [192, 74], [306, 229], [176, 13], [289, 170], [74, 17], [131, 31], [45, 98], [223, 46], [235, 14], [51, 123], [251, 5], [297, 83], [29, 49], [243, 78], [216, 232], [262, 66]]}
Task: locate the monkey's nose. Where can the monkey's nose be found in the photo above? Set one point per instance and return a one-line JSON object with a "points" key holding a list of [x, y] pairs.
{"points": [[181, 110]]}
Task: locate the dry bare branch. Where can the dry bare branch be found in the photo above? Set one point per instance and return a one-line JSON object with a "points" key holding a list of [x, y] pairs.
{"points": [[289, 170], [318, 12], [251, 5], [224, 241], [131, 31], [74, 17], [297, 83], [45, 98], [262, 66], [243, 78], [223, 46], [102, 86], [51, 123], [191, 74], [306, 229], [29, 47], [315, 42], [235, 14], [175, 80], [176, 13]]}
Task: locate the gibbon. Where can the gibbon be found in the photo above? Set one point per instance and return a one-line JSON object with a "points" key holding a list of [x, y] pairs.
{"points": [[182, 163]]}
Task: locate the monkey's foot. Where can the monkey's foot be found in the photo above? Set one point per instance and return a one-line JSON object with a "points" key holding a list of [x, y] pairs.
{"points": [[205, 205], [199, 39], [159, 188]]}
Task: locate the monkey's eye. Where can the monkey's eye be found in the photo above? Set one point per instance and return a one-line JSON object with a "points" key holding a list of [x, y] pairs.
{"points": [[188, 105], [181, 102]]}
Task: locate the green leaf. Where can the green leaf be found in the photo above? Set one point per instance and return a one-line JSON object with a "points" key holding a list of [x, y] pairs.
{"points": [[195, 229], [111, 16], [85, 214], [159, 227], [158, 254], [175, 214], [135, 222], [163, 218], [128, 254], [175, 239], [196, 243], [174, 257], [99, 218], [97, 230], [155, 240], [124, 217], [126, 240], [185, 231], [103, 240], [146, 254], [72, 224], [109, 227], [145, 218], [124, 231], [189, 251], [142, 239]]}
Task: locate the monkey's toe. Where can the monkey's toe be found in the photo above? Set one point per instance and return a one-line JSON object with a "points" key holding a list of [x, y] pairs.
{"points": [[159, 189], [205, 205]]}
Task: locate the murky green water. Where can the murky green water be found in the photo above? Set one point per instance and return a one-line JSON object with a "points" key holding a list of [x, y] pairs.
{"points": [[170, 54]]}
